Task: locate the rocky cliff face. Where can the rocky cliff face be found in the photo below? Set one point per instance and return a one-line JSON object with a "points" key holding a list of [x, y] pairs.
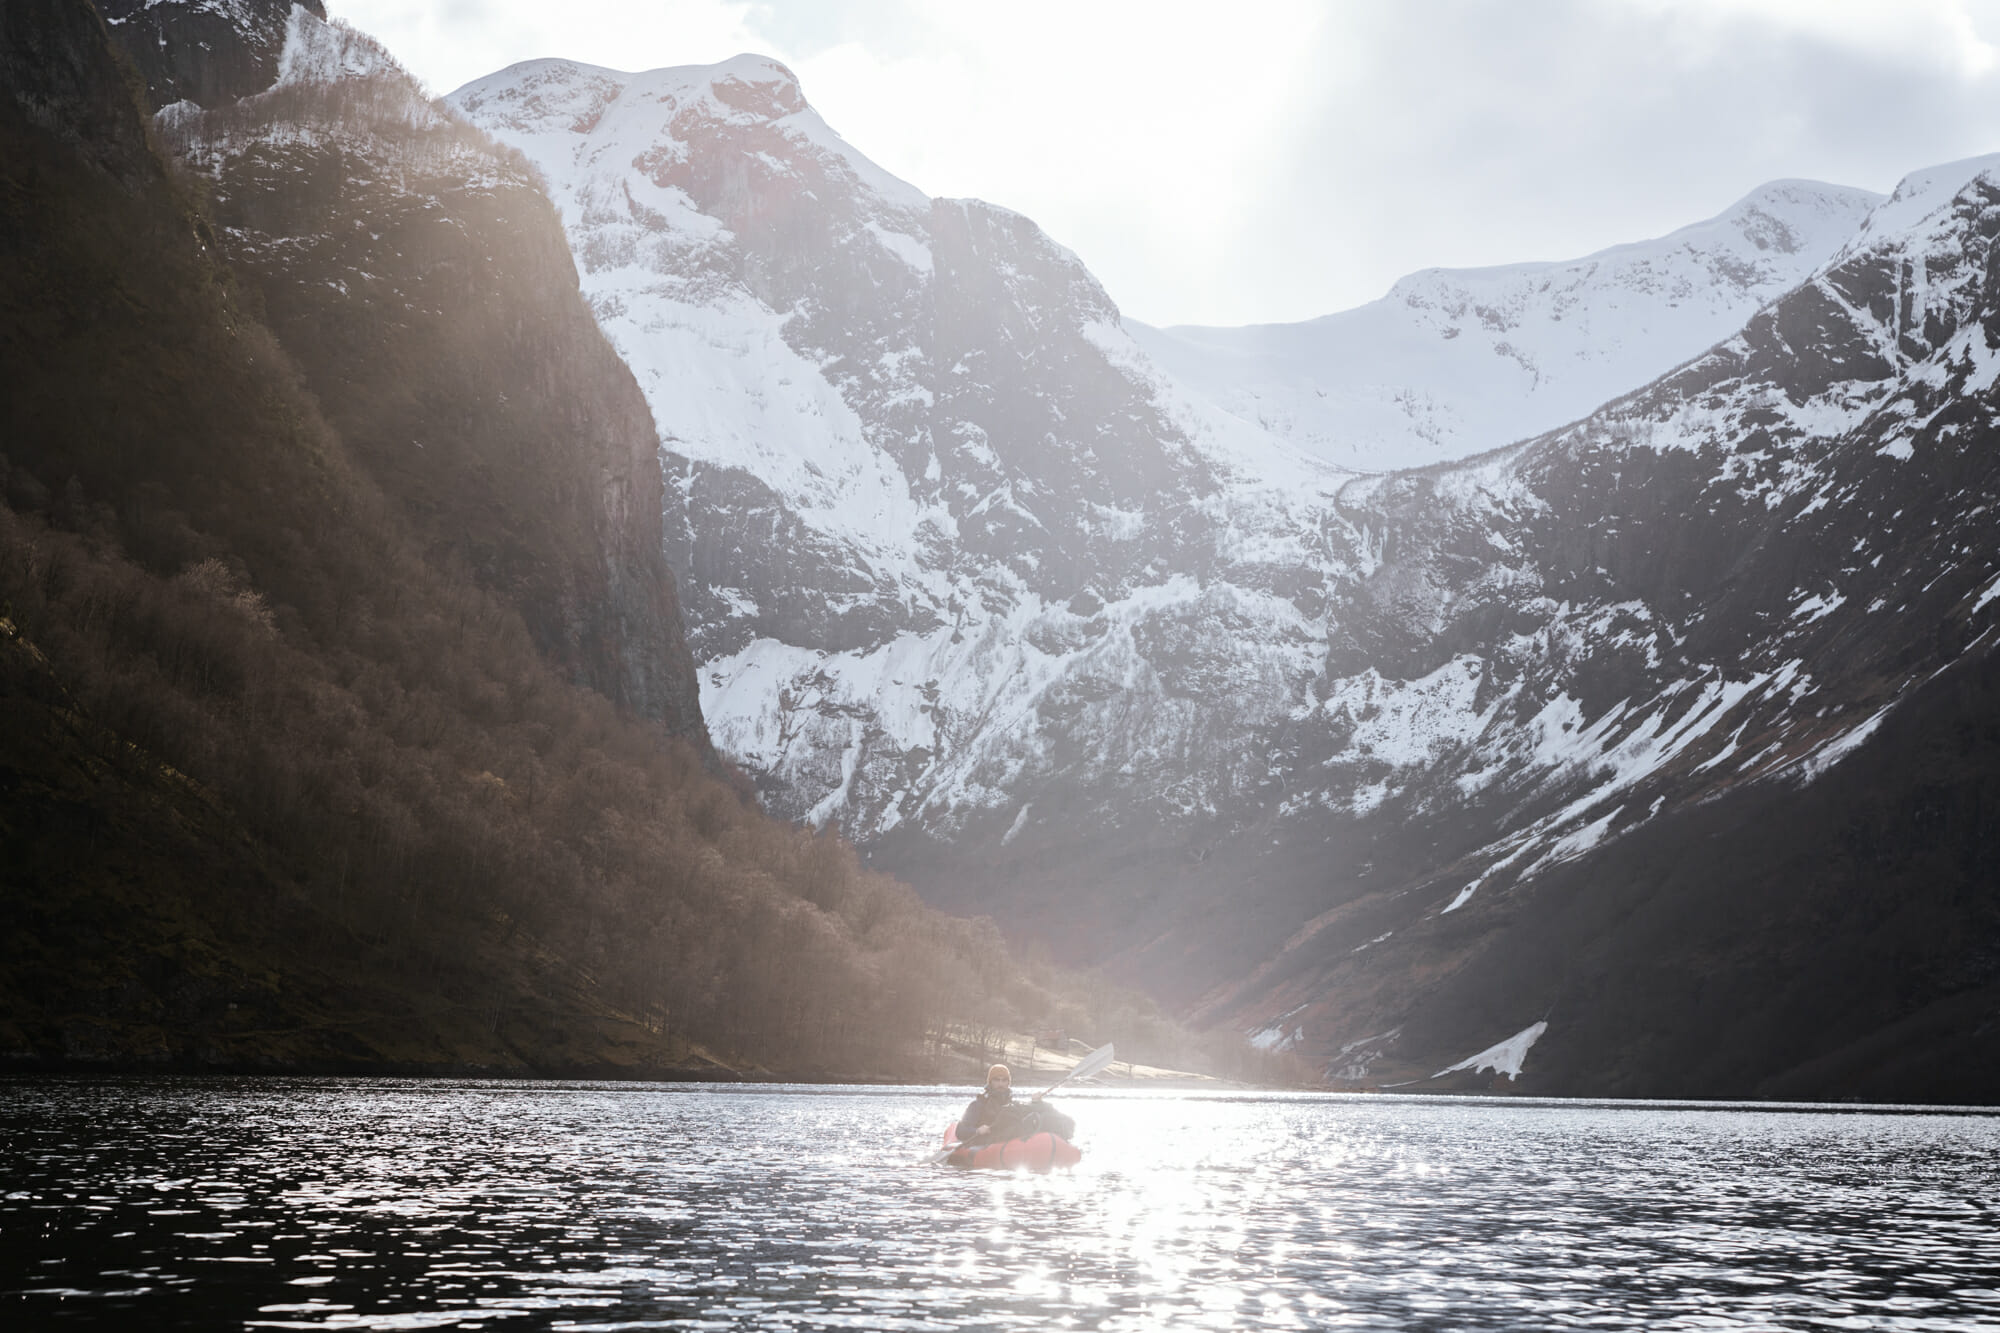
{"points": [[205, 52], [62, 79], [978, 583], [417, 274], [937, 516]]}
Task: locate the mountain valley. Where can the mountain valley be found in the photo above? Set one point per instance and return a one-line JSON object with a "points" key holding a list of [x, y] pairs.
{"points": [[1572, 678], [1189, 700]]}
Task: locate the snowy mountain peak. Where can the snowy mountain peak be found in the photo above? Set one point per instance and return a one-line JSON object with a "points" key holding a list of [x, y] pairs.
{"points": [[939, 512], [542, 94], [1788, 216], [1916, 197], [1779, 218], [1452, 362], [657, 113], [758, 86]]}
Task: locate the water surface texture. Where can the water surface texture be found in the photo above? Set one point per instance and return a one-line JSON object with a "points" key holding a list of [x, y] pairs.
{"points": [[427, 1204]]}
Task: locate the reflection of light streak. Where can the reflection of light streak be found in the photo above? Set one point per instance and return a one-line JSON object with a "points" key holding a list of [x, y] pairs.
{"points": [[766, 1210]]}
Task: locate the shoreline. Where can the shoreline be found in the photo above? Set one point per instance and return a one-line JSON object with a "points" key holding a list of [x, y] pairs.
{"points": [[437, 1042], [19, 1073], [960, 1064]]}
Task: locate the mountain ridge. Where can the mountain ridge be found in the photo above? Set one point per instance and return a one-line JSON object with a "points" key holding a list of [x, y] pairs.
{"points": [[1512, 773], [1306, 702], [1452, 362], [1773, 455]]}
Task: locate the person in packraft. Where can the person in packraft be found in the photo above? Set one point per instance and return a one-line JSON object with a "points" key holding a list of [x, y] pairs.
{"points": [[994, 1116]]}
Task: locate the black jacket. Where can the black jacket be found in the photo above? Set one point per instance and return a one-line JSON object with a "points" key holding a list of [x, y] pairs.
{"points": [[1011, 1119], [999, 1112]]}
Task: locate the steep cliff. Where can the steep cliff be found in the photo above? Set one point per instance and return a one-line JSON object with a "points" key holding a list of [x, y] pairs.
{"points": [[417, 274], [282, 785], [205, 52]]}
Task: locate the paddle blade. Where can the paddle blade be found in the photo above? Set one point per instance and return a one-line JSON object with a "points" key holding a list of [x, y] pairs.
{"points": [[1094, 1063]]}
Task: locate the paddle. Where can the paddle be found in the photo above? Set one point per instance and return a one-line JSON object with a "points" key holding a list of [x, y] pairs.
{"points": [[1094, 1063]]}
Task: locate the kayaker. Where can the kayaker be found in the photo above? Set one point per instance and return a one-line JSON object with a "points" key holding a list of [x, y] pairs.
{"points": [[995, 1116]]}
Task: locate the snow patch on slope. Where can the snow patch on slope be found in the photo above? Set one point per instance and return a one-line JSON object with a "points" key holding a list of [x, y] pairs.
{"points": [[319, 52], [1503, 1058]]}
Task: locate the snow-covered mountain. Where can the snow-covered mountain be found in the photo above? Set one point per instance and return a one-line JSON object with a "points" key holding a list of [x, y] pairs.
{"points": [[1680, 737], [1652, 754], [970, 577], [1453, 362], [945, 530]]}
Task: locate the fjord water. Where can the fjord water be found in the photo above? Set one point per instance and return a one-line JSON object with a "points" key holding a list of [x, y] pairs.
{"points": [[424, 1204]]}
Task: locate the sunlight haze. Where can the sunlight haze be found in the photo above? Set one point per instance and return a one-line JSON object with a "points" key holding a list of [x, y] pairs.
{"points": [[1282, 160]]}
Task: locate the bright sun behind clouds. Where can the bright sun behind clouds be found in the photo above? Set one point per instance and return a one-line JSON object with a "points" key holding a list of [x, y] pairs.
{"points": [[1280, 159]]}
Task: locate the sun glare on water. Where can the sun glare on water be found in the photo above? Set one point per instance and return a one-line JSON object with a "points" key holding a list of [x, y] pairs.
{"points": [[314, 1204]]}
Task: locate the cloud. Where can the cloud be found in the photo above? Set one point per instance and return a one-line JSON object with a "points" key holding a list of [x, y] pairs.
{"points": [[1278, 159], [1480, 133], [1136, 132]]}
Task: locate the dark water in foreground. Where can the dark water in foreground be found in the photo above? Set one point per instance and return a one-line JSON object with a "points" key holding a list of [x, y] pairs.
{"points": [[428, 1204]]}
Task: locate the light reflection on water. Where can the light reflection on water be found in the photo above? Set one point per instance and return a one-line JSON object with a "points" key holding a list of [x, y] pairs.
{"points": [[422, 1204]]}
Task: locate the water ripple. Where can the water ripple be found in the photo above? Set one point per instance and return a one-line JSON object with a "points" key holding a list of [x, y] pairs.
{"points": [[433, 1204]]}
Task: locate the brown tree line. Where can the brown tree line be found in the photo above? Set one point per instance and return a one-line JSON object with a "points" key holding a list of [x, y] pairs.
{"points": [[430, 783], [425, 776]]}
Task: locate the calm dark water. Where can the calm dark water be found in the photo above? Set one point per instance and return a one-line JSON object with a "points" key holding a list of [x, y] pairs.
{"points": [[439, 1204]]}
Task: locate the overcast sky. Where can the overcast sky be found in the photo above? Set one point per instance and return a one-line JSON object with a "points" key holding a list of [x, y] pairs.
{"points": [[1259, 160]]}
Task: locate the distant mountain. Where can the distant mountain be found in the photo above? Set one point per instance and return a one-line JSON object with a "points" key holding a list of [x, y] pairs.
{"points": [[1693, 705], [944, 531], [973, 579], [1453, 362]]}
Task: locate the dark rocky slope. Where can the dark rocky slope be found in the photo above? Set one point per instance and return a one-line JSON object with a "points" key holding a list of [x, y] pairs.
{"points": [[1835, 941], [417, 274], [207, 52], [281, 784], [150, 918]]}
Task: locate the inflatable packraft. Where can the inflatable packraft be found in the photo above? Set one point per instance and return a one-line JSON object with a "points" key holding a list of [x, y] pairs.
{"points": [[1037, 1152]]}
